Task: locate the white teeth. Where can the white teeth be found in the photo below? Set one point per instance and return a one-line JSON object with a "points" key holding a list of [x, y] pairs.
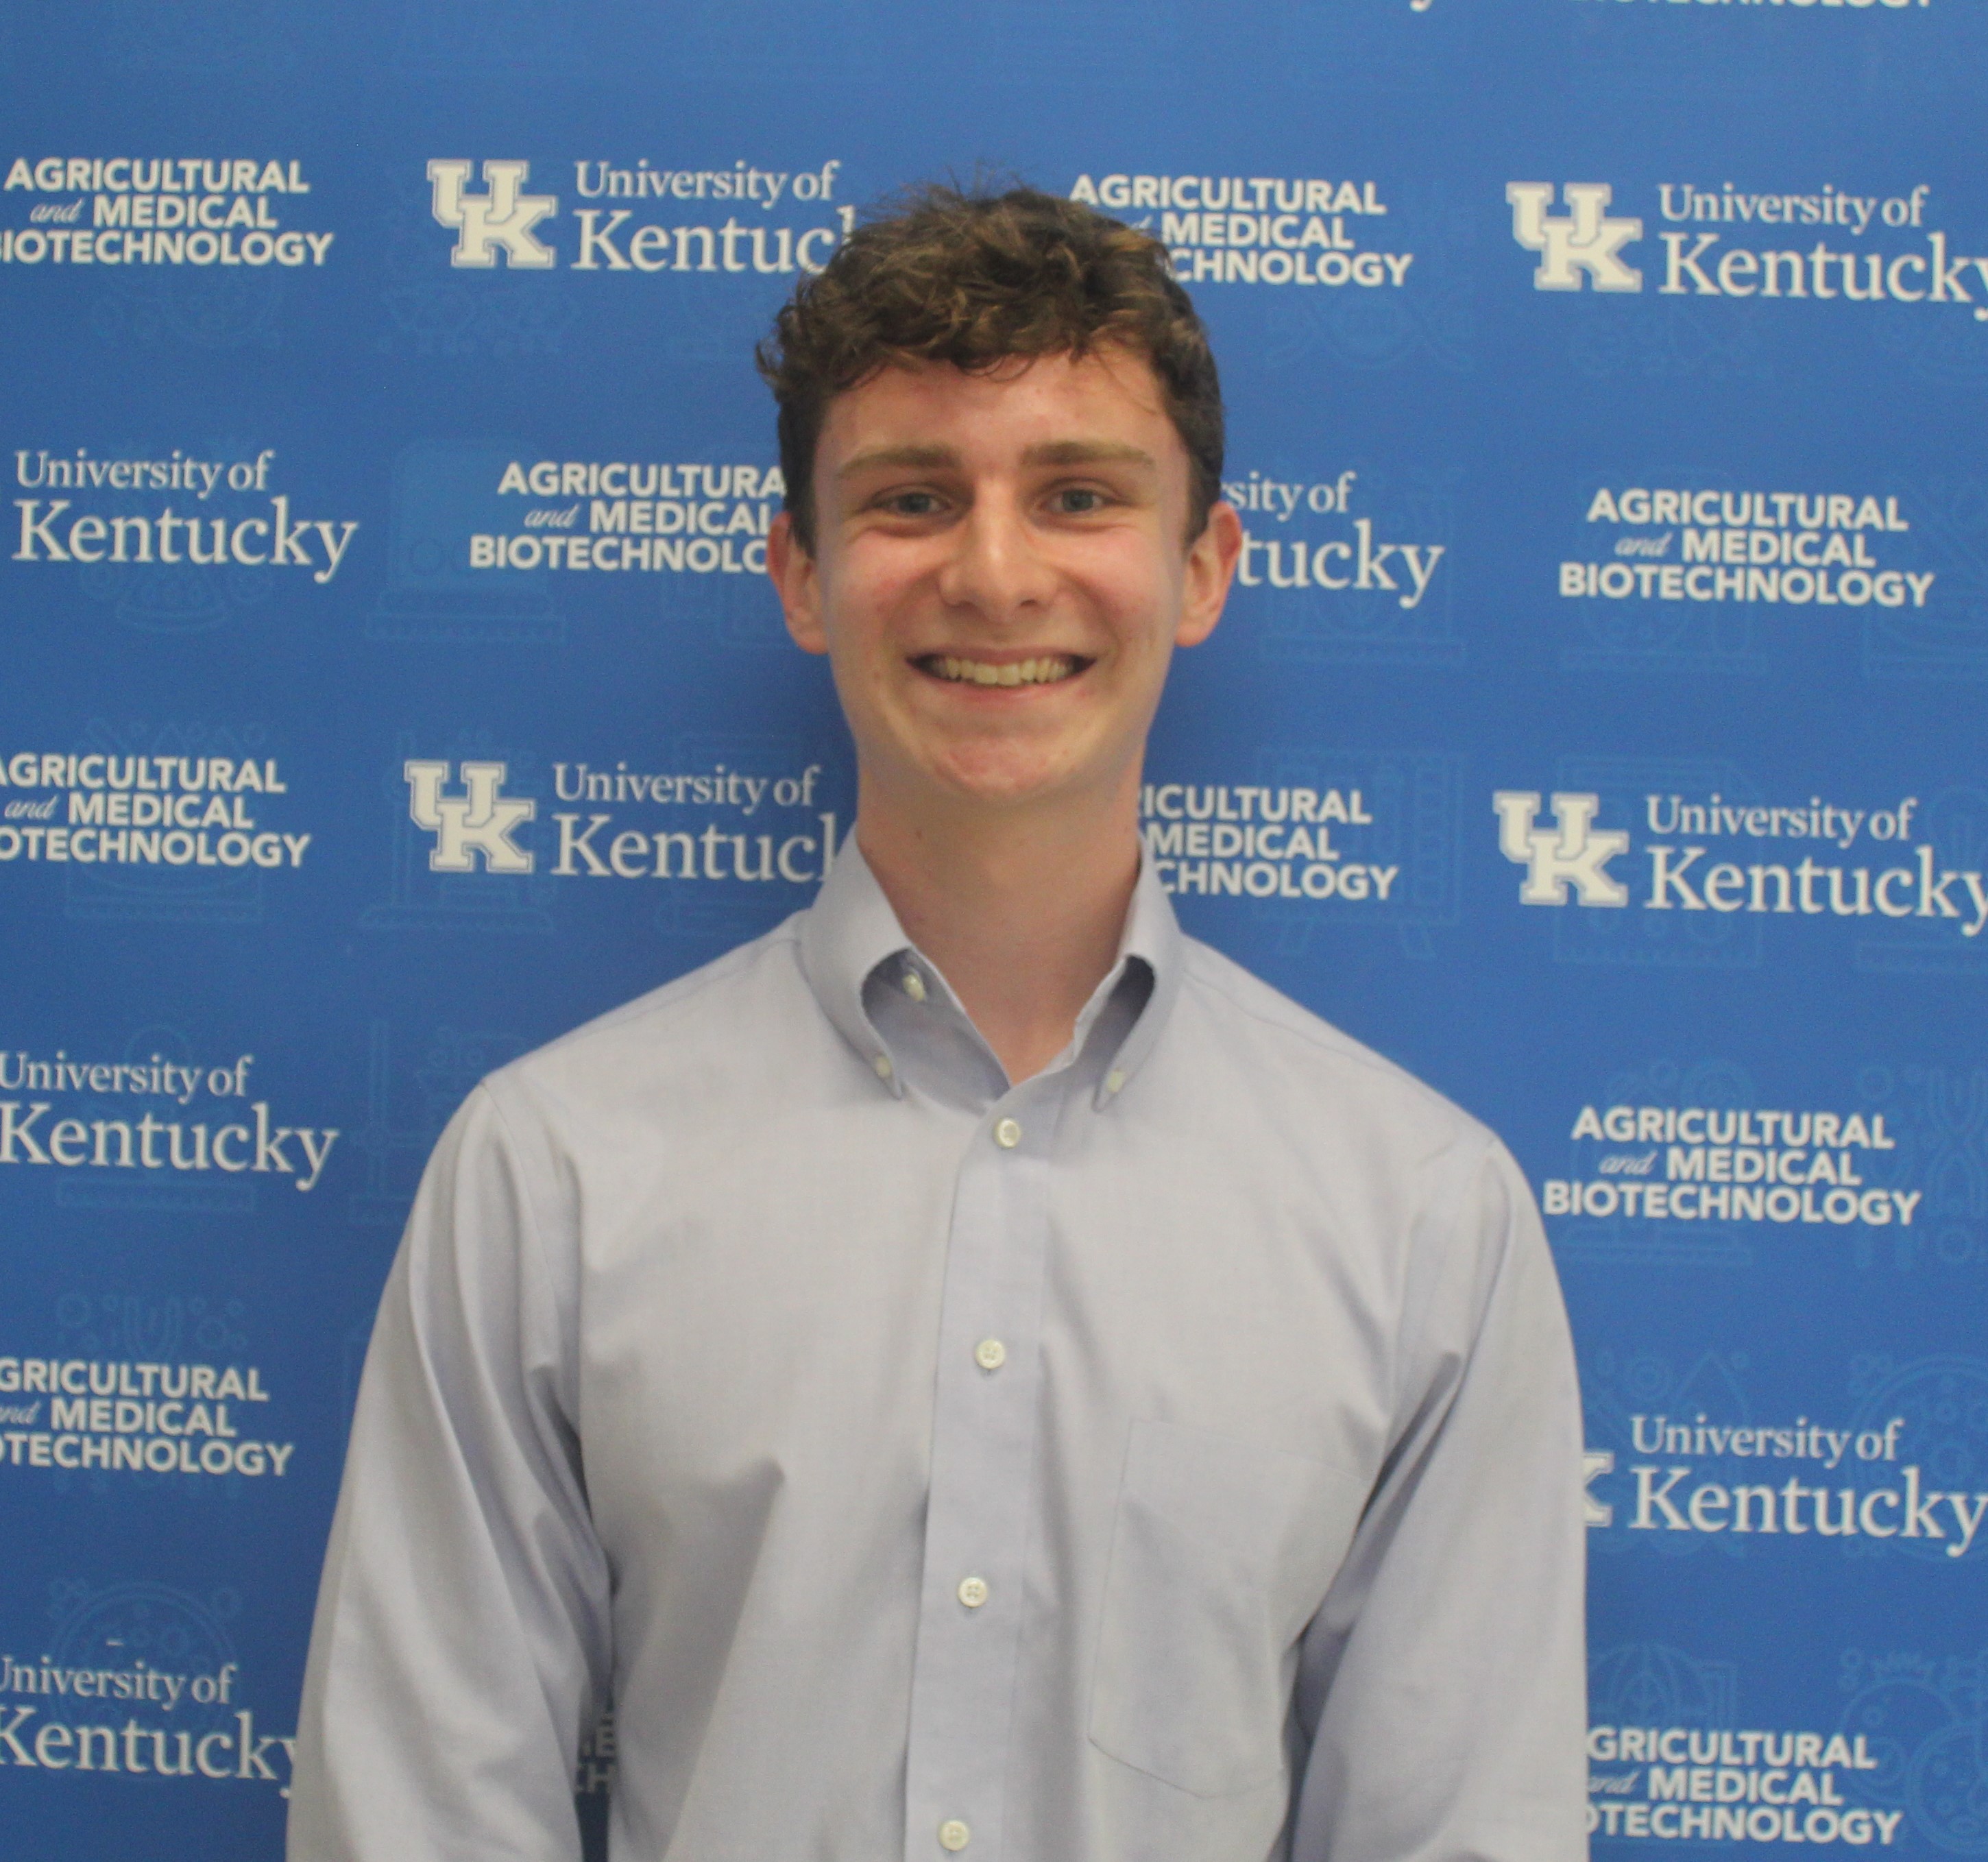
{"points": [[1046, 671]]}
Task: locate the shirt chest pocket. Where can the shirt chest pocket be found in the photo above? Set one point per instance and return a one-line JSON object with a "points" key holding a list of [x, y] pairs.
{"points": [[1221, 1552]]}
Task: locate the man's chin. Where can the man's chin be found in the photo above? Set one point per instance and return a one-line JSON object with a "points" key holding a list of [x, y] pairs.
{"points": [[1005, 779]]}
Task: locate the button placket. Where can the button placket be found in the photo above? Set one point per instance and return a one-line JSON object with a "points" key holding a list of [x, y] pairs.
{"points": [[981, 1497]]}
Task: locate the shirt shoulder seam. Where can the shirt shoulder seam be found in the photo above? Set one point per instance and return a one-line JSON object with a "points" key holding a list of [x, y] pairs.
{"points": [[534, 1220], [1469, 1177]]}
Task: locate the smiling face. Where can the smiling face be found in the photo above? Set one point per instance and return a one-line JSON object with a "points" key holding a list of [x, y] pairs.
{"points": [[1001, 572]]}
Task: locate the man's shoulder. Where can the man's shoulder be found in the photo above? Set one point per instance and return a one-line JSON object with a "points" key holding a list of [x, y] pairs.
{"points": [[1320, 1068], [681, 1024]]}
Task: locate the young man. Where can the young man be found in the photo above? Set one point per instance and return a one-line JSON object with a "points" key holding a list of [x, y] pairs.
{"points": [[972, 1370]]}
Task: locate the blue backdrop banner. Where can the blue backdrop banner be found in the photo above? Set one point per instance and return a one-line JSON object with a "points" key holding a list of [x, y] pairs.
{"points": [[393, 683]]}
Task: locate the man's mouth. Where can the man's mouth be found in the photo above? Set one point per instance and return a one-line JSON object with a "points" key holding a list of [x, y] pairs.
{"points": [[1044, 669]]}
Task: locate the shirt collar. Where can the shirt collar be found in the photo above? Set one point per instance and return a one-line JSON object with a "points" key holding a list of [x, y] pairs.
{"points": [[1151, 933], [847, 932], [851, 930]]}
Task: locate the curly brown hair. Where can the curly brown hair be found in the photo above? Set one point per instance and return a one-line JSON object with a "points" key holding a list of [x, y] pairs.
{"points": [[976, 279]]}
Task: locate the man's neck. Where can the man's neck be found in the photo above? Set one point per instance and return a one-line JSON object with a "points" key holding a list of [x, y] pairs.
{"points": [[1022, 914]]}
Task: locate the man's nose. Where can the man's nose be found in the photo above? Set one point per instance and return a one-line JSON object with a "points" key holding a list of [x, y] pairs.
{"points": [[997, 568]]}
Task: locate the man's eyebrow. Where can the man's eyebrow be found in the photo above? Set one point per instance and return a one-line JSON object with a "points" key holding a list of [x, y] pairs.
{"points": [[1087, 452], [1051, 452], [916, 459]]}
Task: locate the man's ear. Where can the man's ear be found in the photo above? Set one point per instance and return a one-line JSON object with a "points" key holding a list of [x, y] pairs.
{"points": [[798, 582], [1212, 558]]}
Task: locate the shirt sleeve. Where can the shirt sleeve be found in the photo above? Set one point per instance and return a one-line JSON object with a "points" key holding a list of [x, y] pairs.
{"points": [[1443, 1683], [461, 1641]]}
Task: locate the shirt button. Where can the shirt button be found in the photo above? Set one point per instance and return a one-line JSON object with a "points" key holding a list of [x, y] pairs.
{"points": [[990, 1354], [882, 1064], [1114, 1080], [1007, 1134], [973, 1592], [914, 986], [953, 1834]]}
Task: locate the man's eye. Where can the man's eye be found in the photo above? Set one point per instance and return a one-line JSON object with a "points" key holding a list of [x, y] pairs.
{"points": [[1076, 501], [911, 504]]}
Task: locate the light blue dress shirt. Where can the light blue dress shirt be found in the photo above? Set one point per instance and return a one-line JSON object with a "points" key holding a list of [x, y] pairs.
{"points": [[1174, 1458]]}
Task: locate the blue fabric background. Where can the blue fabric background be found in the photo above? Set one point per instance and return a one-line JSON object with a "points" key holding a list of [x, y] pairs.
{"points": [[1436, 399]]}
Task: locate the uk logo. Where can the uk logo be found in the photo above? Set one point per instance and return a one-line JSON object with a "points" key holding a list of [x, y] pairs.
{"points": [[501, 217], [1582, 244], [478, 821], [1593, 1462], [1573, 852]]}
